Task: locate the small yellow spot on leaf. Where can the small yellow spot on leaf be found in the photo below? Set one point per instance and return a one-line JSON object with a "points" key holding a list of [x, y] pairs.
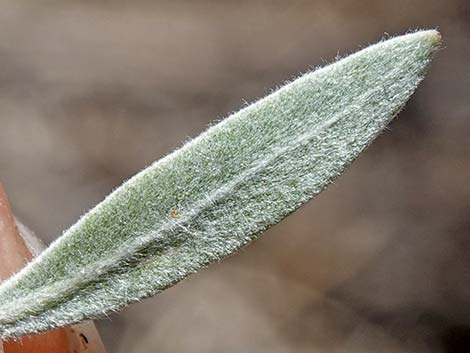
{"points": [[174, 214]]}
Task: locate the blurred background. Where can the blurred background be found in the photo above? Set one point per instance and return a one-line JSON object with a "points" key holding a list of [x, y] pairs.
{"points": [[93, 91]]}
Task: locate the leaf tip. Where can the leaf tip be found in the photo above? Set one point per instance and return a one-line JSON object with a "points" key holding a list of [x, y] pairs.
{"points": [[431, 39], [432, 36]]}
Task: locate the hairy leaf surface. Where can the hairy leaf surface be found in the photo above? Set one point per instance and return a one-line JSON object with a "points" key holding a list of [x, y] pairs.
{"points": [[219, 191]]}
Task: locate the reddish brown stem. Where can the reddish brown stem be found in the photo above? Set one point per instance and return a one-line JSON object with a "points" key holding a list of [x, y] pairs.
{"points": [[14, 254]]}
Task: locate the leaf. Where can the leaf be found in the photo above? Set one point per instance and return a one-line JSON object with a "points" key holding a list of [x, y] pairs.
{"points": [[219, 191]]}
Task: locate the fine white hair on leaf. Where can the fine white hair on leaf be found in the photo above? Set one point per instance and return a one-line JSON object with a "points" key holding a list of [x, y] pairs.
{"points": [[219, 191]]}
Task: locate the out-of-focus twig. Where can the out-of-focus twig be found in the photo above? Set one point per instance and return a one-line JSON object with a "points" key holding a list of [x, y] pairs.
{"points": [[17, 247]]}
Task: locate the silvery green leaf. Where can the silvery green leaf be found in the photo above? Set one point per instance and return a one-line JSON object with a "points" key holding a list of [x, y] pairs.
{"points": [[219, 191]]}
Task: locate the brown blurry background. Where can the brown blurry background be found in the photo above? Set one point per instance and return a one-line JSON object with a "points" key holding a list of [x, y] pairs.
{"points": [[91, 92]]}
